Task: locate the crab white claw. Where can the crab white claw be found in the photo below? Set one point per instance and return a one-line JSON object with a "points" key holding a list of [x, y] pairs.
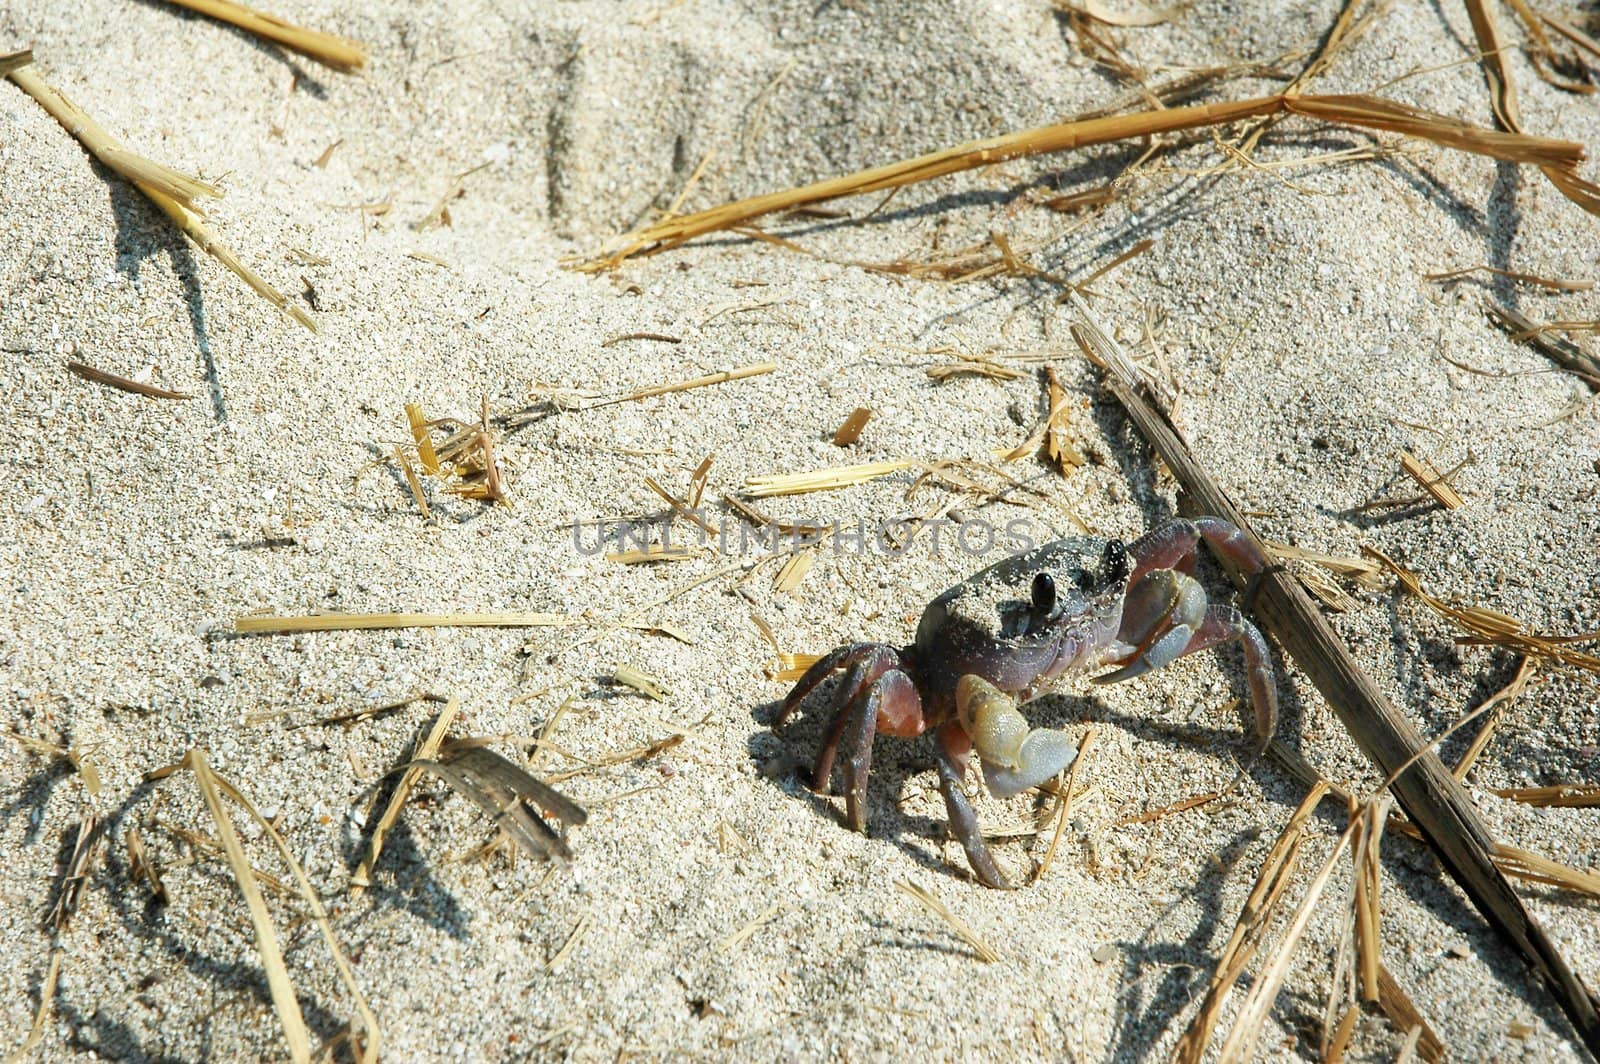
{"points": [[1014, 757]]}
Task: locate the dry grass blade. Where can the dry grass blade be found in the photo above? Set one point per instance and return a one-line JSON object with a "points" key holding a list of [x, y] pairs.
{"points": [[509, 796], [47, 1000], [1405, 1015], [142, 866], [1369, 876], [792, 666], [1435, 484], [200, 841], [756, 370], [1546, 60], [1503, 98], [1258, 1002], [1277, 872], [1496, 629], [15, 60], [1496, 705], [1064, 803], [1557, 796], [68, 891], [984, 952], [127, 384], [655, 552], [166, 188], [567, 947], [440, 215], [1363, 571], [362, 878], [1553, 283], [793, 571], [1573, 34], [325, 48], [763, 487], [975, 366], [373, 1041], [423, 439], [1536, 868], [1183, 805], [1058, 427], [748, 931], [1434, 800], [1564, 353], [347, 622], [1559, 158], [283, 999]]}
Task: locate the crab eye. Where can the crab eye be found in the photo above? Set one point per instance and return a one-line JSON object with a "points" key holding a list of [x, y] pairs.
{"points": [[1044, 593], [1115, 566]]}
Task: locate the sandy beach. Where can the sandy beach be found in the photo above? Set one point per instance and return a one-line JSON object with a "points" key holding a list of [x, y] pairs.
{"points": [[428, 211]]}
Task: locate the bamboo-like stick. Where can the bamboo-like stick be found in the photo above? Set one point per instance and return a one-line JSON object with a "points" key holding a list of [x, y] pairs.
{"points": [[168, 189], [336, 52], [1558, 158], [1435, 800]]}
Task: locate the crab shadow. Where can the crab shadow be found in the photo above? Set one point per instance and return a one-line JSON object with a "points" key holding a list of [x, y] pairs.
{"points": [[784, 759]]}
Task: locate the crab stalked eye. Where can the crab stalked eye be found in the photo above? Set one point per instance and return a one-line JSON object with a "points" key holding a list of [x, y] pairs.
{"points": [[1044, 594], [1116, 565]]}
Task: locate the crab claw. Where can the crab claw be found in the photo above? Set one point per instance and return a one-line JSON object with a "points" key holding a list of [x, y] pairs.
{"points": [[1014, 757]]}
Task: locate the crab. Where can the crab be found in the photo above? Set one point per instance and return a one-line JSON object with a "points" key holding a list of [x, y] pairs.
{"points": [[1005, 635]]}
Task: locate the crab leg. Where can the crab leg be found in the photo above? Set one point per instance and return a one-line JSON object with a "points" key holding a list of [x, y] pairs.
{"points": [[1217, 625], [954, 745], [892, 694]]}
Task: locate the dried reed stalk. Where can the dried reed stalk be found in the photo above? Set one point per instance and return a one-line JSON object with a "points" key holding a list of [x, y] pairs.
{"points": [[168, 189], [336, 52], [1434, 800], [1558, 158]]}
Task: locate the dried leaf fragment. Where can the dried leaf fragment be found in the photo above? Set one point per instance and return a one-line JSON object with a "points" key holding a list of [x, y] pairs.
{"points": [[850, 431], [640, 681]]}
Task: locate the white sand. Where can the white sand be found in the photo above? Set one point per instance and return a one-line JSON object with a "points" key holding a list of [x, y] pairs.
{"points": [[1291, 308]]}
